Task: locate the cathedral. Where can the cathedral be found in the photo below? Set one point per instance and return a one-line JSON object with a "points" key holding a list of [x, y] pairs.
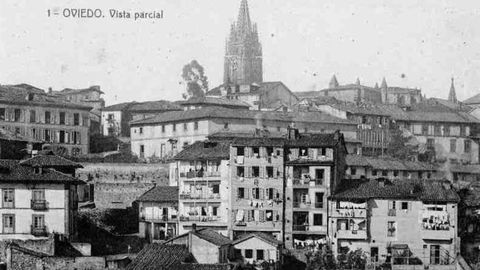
{"points": [[243, 51]]}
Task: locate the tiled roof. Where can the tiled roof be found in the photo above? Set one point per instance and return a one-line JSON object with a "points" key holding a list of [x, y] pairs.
{"points": [[426, 191], [473, 100], [467, 168], [259, 141], [263, 236], [205, 150], [160, 194], [156, 106], [201, 266], [215, 101], [317, 139], [118, 107], [226, 135], [226, 113], [388, 163], [212, 236], [19, 94], [68, 91], [12, 171], [49, 161], [160, 257]]}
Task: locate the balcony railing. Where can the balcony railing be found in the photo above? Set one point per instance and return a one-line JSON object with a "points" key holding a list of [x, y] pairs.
{"points": [[39, 204], [348, 212], [199, 174], [301, 228], [39, 231], [150, 218], [308, 182], [297, 204], [213, 196], [199, 218]]}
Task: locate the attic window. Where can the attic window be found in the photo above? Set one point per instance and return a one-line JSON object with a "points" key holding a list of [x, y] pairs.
{"points": [[30, 96], [37, 170]]}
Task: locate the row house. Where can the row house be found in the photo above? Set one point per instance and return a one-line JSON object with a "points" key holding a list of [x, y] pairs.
{"points": [[391, 168], [158, 213], [202, 175], [39, 198], [257, 186], [407, 224], [167, 133], [314, 165], [33, 114]]}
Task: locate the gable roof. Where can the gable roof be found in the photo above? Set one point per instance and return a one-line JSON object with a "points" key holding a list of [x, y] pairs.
{"points": [[263, 236], [226, 113], [215, 101], [118, 107], [68, 91], [160, 194], [154, 106], [49, 161], [205, 150], [201, 266], [160, 257], [423, 190], [387, 163], [212, 236], [473, 100], [11, 171]]}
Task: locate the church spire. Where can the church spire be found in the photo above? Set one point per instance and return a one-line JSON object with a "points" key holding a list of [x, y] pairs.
{"points": [[243, 21], [333, 82], [452, 96], [384, 91]]}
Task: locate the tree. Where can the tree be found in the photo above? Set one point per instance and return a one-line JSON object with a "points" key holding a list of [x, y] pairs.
{"points": [[399, 146], [195, 79], [321, 259]]}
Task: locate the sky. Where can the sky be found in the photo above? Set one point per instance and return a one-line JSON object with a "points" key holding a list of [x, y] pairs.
{"points": [[411, 43]]}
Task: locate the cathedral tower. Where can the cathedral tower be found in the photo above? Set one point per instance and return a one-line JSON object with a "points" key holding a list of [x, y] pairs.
{"points": [[243, 51]]}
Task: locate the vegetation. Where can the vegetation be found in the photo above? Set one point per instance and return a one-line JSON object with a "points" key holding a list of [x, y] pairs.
{"points": [[194, 76], [323, 259], [399, 146]]}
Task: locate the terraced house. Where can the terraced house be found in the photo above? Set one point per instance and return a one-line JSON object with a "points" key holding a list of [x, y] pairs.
{"points": [[408, 224], [30, 112]]}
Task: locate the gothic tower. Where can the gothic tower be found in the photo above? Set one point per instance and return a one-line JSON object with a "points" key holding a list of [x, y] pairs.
{"points": [[452, 96], [243, 51]]}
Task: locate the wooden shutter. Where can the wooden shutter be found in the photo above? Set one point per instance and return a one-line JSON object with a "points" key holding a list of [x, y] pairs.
{"points": [[262, 193], [276, 217], [246, 193], [262, 215]]}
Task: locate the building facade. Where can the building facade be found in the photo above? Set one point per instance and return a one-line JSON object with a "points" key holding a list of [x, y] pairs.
{"points": [[34, 114], [403, 223]]}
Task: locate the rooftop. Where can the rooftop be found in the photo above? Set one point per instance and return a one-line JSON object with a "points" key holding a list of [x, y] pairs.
{"points": [[226, 113], [388, 163], [12, 171], [212, 236], [159, 105], [473, 100], [160, 194], [215, 101], [263, 236], [429, 191], [49, 161], [205, 150], [69, 91], [160, 257]]}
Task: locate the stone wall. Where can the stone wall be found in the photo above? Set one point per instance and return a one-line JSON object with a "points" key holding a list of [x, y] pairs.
{"points": [[118, 195]]}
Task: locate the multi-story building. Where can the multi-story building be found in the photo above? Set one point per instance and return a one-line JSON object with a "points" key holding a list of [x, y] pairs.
{"points": [[201, 173], [38, 198], [256, 186], [90, 97], [165, 134], [391, 168], [403, 223], [158, 213], [30, 112], [115, 118], [314, 166]]}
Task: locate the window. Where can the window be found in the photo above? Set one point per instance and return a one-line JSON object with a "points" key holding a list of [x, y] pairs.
{"points": [[241, 193], [240, 151], [463, 131], [269, 171], [404, 206], [62, 136], [430, 144], [2, 114], [424, 129], [8, 198], [17, 113], [255, 171], [395, 173], [142, 150], [278, 129], [33, 116], [260, 254], [391, 228], [38, 195], [38, 221], [248, 253], [8, 223], [374, 172], [225, 125], [216, 188], [195, 125], [269, 215], [110, 116], [240, 171], [353, 171], [319, 174], [215, 210], [140, 130], [256, 151], [47, 135], [270, 193], [256, 193], [62, 118], [384, 173], [319, 199], [76, 119], [317, 219], [453, 146], [163, 128], [391, 205], [185, 126], [434, 254], [467, 146], [174, 127]]}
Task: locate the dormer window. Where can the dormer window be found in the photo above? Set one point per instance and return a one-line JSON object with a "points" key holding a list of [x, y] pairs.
{"points": [[37, 170], [30, 96]]}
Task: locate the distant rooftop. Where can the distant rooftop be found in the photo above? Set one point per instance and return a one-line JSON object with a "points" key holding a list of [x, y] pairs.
{"points": [[160, 194], [215, 101]]}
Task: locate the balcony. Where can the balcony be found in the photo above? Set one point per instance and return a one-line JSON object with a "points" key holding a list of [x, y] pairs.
{"points": [[438, 234], [197, 196], [39, 205], [199, 218], [351, 234], [307, 182], [348, 212], [39, 231], [199, 174], [297, 204], [150, 218]]}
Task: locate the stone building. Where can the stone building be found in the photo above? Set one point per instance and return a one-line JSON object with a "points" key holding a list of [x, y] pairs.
{"points": [[314, 167], [90, 97], [158, 213], [30, 112], [403, 223]]}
